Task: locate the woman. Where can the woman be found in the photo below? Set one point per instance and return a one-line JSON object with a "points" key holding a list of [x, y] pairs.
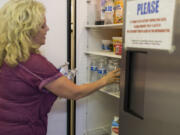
{"points": [[29, 84]]}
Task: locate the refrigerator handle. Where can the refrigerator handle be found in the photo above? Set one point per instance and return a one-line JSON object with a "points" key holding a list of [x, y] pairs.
{"points": [[135, 73]]}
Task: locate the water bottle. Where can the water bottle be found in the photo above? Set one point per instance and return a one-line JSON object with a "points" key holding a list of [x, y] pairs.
{"points": [[113, 65], [64, 69], [102, 68], [116, 86], [71, 74], [110, 88], [93, 70]]}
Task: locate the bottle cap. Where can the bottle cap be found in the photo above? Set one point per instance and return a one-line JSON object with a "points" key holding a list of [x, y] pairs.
{"points": [[116, 118]]}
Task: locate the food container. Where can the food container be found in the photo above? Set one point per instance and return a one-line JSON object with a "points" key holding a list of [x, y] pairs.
{"points": [[109, 12], [106, 45], [117, 45], [118, 13], [100, 12]]}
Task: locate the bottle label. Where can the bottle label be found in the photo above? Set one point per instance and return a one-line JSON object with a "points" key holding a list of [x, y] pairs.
{"points": [[115, 131], [106, 48], [93, 68], [109, 9], [103, 2], [102, 46], [102, 71], [118, 49]]}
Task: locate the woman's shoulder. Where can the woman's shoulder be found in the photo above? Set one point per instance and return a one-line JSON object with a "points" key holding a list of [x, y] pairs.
{"points": [[38, 62], [36, 58]]}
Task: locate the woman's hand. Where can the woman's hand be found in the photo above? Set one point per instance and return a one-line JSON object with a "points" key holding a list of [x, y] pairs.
{"points": [[112, 77]]}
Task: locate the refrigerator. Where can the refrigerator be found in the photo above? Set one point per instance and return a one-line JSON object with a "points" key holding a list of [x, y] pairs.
{"points": [[148, 103], [150, 88]]}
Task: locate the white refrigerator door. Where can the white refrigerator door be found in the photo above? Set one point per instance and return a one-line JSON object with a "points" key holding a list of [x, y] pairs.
{"points": [[81, 41]]}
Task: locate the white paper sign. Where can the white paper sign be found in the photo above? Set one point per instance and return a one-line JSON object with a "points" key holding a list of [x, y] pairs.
{"points": [[149, 24]]}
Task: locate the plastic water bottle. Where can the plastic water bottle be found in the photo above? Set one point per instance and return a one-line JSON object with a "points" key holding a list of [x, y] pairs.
{"points": [[64, 69], [93, 70], [113, 65], [116, 86], [111, 87], [71, 74], [102, 68]]}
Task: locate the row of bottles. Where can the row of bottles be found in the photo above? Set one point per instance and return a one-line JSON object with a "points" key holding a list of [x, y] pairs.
{"points": [[100, 66]]}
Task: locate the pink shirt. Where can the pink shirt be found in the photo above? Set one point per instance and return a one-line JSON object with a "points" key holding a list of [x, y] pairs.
{"points": [[24, 102]]}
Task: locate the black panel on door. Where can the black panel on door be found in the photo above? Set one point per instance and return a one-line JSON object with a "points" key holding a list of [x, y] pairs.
{"points": [[135, 83]]}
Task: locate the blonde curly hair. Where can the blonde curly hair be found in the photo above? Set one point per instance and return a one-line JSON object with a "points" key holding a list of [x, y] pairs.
{"points": [[20, 20]]}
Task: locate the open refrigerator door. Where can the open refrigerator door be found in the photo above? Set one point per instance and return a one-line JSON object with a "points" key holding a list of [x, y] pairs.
{"points": [[99, 49]]}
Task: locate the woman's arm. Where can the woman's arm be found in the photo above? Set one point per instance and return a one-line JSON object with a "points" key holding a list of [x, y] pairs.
{"points": [[63, 87]]}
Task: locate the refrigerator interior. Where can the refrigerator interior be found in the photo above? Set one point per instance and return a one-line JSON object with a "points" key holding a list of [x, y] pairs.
{"points": [[94, 114]]}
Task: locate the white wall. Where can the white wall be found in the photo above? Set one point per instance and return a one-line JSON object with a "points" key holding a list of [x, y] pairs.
{"points": [[56, 51]]}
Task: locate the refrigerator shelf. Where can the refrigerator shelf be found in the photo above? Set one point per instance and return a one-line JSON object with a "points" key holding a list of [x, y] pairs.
{"points": [[107, 26], [98, 131], [110, 93], [102, 53]]}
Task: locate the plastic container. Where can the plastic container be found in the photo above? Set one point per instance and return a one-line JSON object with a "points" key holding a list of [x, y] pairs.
{"points": [[92, 14], [100, 12], [115, 126], [93, 69], [106, 45], [117, 45], [109, 12], [71, 74], [113, 64], [102, 69], [118, 11], [64, 69]]}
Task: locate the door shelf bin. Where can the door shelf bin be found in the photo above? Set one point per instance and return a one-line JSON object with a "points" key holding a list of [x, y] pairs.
{"points": [[102, 53], [99, 131], [117, 95], [108, 26]]}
